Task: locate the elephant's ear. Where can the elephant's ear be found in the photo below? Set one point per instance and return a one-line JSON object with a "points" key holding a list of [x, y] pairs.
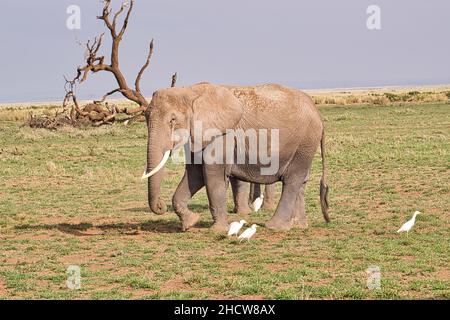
{"points": [[216, 109]]}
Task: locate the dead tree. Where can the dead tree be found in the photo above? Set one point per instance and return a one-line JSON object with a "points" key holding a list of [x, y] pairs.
{"points": [[96, 63], [99, 112]]}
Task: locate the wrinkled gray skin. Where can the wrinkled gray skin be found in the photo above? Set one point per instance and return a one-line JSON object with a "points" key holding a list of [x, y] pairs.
{"points": [[291, 111]]}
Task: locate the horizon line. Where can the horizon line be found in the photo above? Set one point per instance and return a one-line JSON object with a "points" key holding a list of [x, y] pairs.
{"points": [[311, 90]]}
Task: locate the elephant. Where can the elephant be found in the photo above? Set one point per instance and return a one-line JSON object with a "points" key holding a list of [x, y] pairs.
{"points": [[296, 132]]}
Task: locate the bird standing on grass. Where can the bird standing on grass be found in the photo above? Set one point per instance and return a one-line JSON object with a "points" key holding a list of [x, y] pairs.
{"points": [[235, 227], [248, 233], [256, 205], [409, 224]]}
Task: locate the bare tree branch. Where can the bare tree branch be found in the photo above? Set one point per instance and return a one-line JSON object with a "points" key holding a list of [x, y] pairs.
{"points": [[107, 95], [114, 24], [105, 16], [125, 22], [141, 72], [93, 63]]}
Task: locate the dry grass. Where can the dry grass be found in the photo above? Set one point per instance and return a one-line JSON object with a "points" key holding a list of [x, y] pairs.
{"points": [[382, 96]]}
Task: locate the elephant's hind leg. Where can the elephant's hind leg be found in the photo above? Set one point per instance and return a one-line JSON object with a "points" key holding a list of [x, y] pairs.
{"points": [[269, 197], [240, 189], [190, 184], [291, 208], [282, 219]]}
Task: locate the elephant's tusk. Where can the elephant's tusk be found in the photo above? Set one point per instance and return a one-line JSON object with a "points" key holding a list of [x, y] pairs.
{"points": [[166, 156]]}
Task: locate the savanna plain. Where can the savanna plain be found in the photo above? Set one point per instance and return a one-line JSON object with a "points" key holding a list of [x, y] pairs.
{"points": [[74, 197]]}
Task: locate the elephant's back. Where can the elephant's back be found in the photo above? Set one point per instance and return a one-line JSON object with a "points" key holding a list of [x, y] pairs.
{"points": [[276, 104], [269, 96]]}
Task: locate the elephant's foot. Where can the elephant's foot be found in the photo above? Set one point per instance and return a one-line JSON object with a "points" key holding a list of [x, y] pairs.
{"points": [[300, 223], [188, 220], [244, 210], [220, 226], [278, 224]]}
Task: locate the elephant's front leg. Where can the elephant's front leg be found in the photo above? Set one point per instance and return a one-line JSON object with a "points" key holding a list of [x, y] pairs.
{"points": [[191, 182], [240, 190], [216, 189]]}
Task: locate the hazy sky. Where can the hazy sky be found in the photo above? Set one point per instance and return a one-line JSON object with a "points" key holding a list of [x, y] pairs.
{"points": [[305, 44]]}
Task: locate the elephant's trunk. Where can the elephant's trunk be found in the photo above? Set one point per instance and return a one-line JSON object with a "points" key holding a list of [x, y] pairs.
{"points": [[155, 167], [157, 205]]}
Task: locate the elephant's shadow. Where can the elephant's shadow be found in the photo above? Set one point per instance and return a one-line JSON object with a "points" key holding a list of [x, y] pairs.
{"points": [[85, 229], [195, 207], [88, 229]]}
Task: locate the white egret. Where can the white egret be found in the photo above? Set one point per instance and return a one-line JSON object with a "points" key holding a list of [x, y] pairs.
{"points": [[256, 205], [235, 227], [409, 224], [248, 233]]}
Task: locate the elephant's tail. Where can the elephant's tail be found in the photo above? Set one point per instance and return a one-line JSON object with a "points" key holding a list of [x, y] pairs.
{"points": [[323, 182]]}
